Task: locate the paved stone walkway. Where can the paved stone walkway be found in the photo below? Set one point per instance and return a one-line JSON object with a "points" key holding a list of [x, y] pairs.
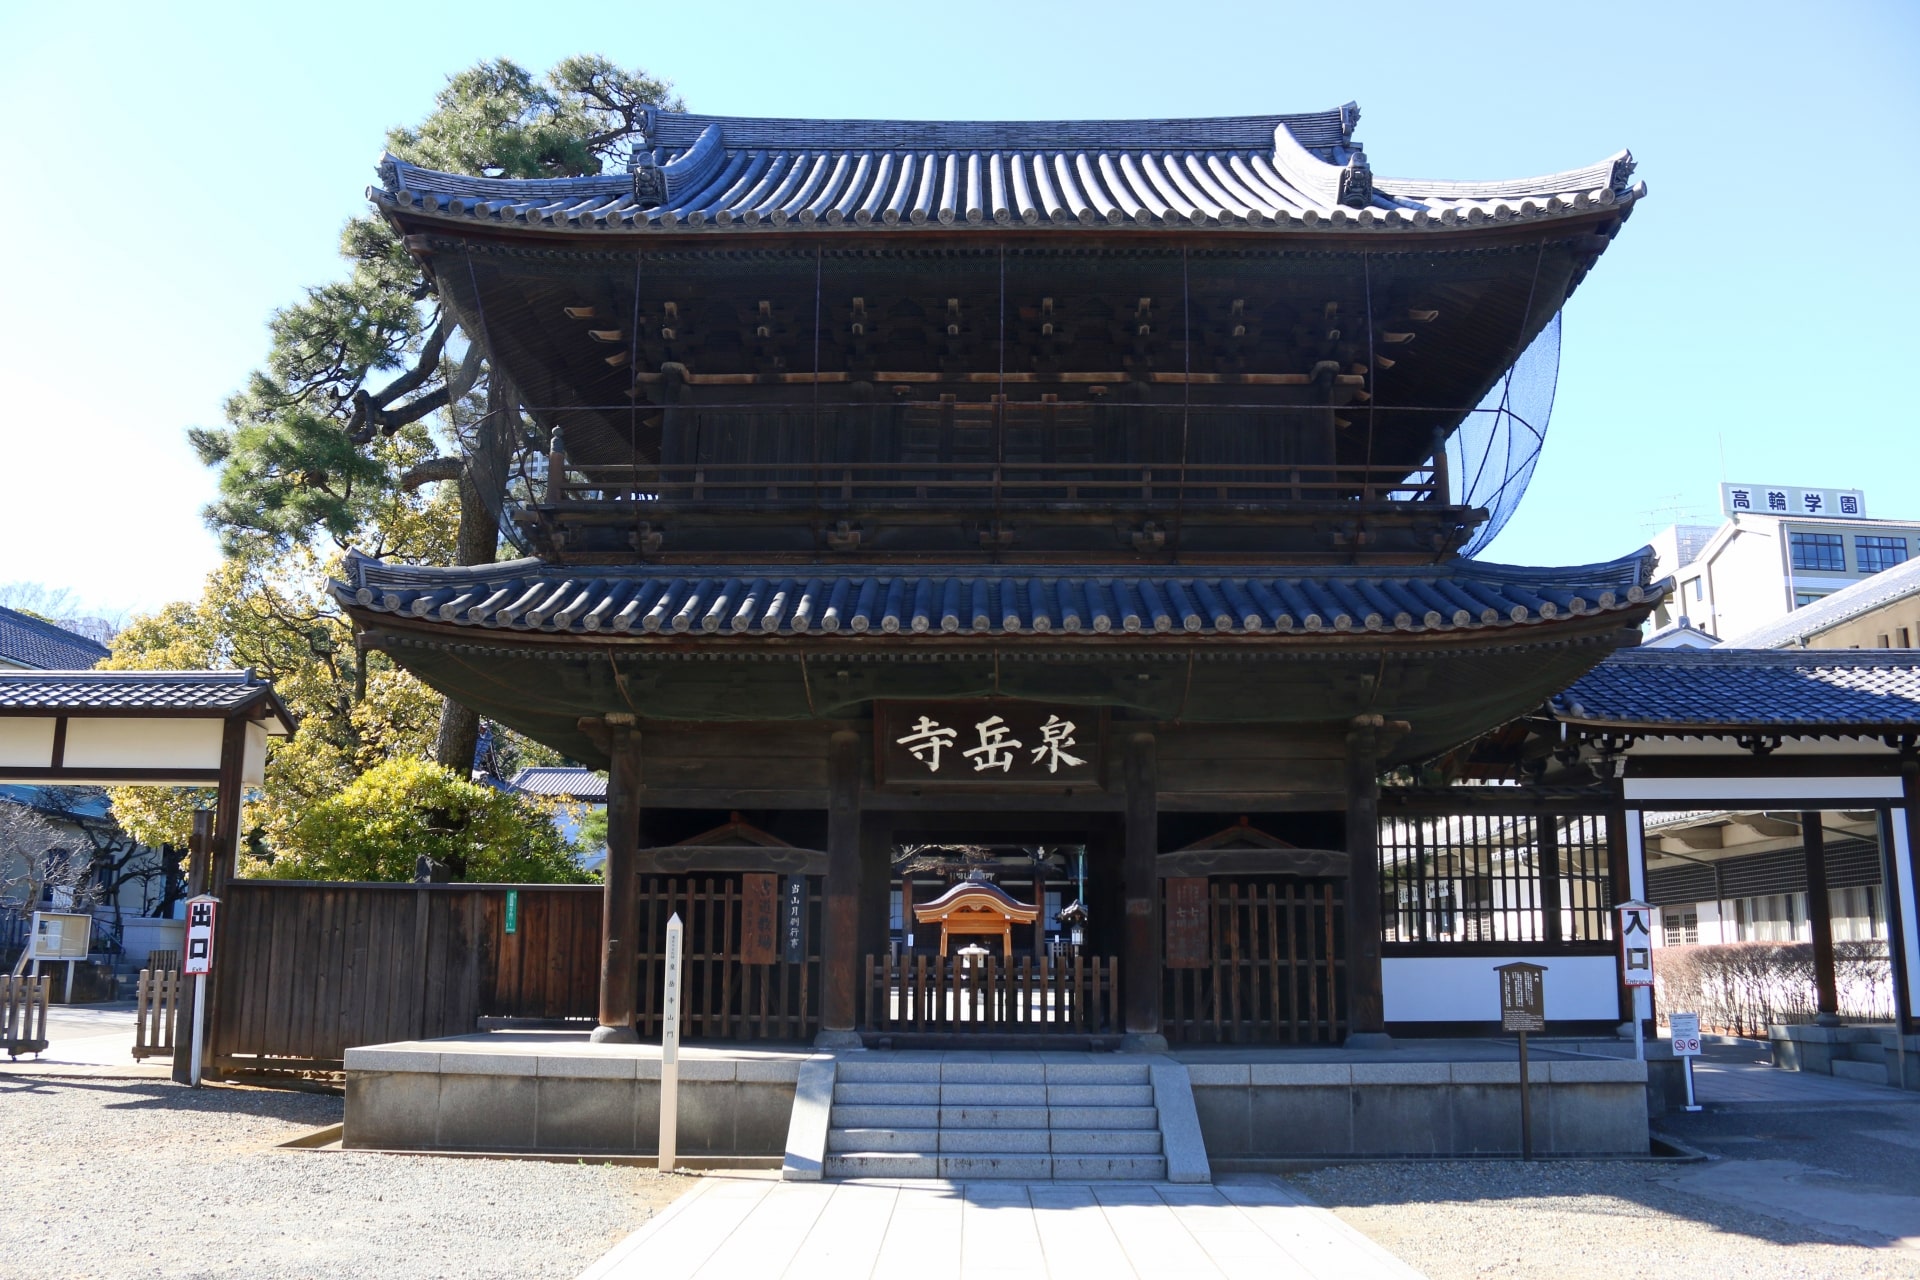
{"points": [[735, 1225]]}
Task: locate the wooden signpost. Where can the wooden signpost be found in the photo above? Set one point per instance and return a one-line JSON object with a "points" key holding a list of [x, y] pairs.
{"points": [[1523, 1008], [670, 1046]]}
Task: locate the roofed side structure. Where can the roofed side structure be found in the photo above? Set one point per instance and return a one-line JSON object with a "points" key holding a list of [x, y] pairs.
{"points": [[1805, 693], [36, 644]]}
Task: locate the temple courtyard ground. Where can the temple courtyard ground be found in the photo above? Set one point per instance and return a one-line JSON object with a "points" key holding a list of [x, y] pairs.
{"points": [[114, 1171]]}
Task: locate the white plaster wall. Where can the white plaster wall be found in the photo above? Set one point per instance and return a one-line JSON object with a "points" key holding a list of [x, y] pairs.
{"points": [[1466, 989], [102, 742], [26, 743]]}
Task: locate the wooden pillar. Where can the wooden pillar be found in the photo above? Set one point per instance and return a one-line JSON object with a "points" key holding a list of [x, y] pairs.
{"points": [[620, 901], [224, 854], [1552, 926], [1826, 989], [840, 918], [1620, 889], [1366, 1009], [1140, 960], [1040, 901]]}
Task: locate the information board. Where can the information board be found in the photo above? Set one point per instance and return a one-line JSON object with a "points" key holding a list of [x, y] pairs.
{"points": [[1686, 1034], [61, 935], [759, 918], [1523, 996]]}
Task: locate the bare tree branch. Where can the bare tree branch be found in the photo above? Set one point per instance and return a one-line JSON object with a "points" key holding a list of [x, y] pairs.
{"points": [[429, 471]]}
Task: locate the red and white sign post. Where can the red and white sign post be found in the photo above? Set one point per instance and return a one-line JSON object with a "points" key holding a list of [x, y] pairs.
{"points": [[198, 965]]}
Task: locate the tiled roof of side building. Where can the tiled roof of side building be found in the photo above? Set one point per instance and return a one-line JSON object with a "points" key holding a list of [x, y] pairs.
{"points": [[1868, 691], [183, 693], [717, 173], [562, 783], [1901, 582], [28, 641], [666, 600]]}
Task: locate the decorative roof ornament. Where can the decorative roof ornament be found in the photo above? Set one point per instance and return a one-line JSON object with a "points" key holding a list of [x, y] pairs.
{"points": [[1356, 182], [649, 183]]}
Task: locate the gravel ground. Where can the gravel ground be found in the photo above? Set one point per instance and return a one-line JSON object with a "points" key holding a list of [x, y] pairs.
{"points": [[128, 1178]]}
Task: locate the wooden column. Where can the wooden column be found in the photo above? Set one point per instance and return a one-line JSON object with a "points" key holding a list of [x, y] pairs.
{"points": [[1552, 926], [1620, 885], [225, 852], [1826, 988], [840, 917], [1140, 960], [1040, 901], [1366, 1010], [620, 902]]}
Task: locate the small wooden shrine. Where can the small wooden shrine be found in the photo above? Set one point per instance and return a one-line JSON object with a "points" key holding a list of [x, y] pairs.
{"points": [[976, 909]]}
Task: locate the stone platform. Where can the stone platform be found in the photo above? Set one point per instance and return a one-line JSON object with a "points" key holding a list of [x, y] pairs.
{"points": [[992, 1113]]}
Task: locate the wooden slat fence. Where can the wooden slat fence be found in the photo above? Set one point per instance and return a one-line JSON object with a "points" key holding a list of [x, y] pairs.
{"points": [[721, 996], [156, 1009], [1069, 994], [1274, 971], [305, 969], [23, 1013]]}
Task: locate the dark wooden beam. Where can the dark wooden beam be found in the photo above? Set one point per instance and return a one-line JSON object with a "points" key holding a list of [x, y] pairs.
{"points": [[840, 918], [620, 913], [1899, 921], [1826, 987], [1140, 960], [1366, 1009], [226, 804]]}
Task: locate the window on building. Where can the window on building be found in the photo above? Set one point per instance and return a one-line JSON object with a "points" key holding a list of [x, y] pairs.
{"points": [[1480, 878], [1699, 588], [1819, 551], [1770, 917], [1680, 926], [1906, 638], [1801, 599], [1876, 553], [1858, 914]]}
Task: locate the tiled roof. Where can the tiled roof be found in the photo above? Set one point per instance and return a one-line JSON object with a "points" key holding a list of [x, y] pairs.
{"points": [[1886, 587], [29, 642], [1827, 689], [187, 693], [972, 600], [1291, 172], [562, 783]]}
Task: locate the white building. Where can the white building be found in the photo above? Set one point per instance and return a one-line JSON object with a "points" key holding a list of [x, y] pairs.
{"points": [[1780, 549]]}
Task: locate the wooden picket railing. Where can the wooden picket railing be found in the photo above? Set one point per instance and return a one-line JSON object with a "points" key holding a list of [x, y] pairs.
{"points": [[23, 1013], [1072, 994], [156, 1011], [1268, 967], [725, 992]]}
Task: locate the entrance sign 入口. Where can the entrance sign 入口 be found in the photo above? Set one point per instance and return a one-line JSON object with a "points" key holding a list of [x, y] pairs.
{"points": [[993, 741], [1523, 1008], [1686, 1046], [1636, 944], [197, 963]]}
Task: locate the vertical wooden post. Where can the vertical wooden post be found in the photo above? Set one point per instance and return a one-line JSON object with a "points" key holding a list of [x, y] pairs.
{"points": [[620, 901], [1826, 989], [1040, 901], [1140, 887], [840, 941], [1620, 885], [226, 804], [1552, 927], [1366, 1008], [1900, 921]]}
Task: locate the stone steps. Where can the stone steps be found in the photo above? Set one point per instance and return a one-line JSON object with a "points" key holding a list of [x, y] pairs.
{"points": [[931, 1118]]}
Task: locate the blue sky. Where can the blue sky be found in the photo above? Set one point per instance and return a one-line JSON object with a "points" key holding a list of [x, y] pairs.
{"points": [[174, 172]]}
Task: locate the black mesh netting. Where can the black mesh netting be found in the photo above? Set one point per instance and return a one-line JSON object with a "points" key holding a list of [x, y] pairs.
{"points": [[1491, 457]]}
